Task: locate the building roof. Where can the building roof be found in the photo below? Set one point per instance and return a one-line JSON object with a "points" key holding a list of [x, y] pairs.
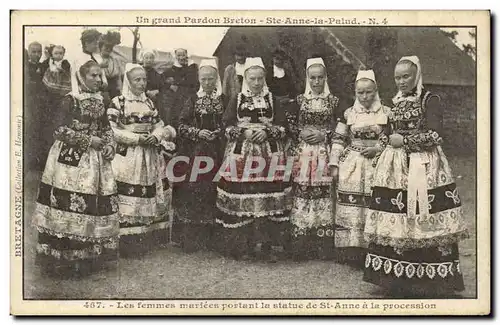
{"points": [[442, 61]]}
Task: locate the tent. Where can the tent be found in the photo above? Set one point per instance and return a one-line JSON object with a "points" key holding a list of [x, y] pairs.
{"points": [[447, 70]]}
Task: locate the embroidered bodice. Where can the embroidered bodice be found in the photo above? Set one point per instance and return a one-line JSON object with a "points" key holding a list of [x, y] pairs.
{"points": [[135, 115], [259, 110], [89, 116], [366, 124], [408, 117], [208, 112], [86, 117], [316, 112]]}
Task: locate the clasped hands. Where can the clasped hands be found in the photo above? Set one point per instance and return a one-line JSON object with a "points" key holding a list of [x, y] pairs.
{"points": [[99, 144], [311, 136]]}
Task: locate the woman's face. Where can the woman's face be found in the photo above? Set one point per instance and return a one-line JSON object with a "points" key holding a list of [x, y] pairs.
{"points": [[92, 78], [405, 75], [255, 78], [149, 60], [138, 80], [316, 75], [181, 56], [365, 92], [106, 50], [91, 46], [57, 53], [208, 79]]}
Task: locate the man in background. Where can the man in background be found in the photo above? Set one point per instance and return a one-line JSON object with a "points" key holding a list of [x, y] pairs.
{"points": [[233, 74]]}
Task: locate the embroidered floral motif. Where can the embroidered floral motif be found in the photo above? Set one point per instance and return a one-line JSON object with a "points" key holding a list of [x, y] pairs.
{"points": [[398, 201], [442, 271], [387, 266], [377, 263], [399, 267], [430, 199], [454, 196], [53, 200], [114, 203], [410, 270], [144, 190], [92, 107], [430, 270], [77, 203], [420, 271]]}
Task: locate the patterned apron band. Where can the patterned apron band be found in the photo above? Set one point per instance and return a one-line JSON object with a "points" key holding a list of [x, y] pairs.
{"points": [[417, 185]]}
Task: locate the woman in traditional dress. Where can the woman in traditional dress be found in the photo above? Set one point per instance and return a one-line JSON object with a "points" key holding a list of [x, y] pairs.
{"points": [[253, 203], [139, 166], [415, 219], [153, 76], [354, 147], [311, 128], [200, 130], [77, 207]]}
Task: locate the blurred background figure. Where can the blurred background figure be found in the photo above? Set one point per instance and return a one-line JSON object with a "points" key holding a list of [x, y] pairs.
{"points": [[233, 74]]}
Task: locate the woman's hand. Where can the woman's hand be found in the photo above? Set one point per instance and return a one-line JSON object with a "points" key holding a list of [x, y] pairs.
{"points": [[259, 136], [174, 87], [151, 140], [369, 152], [108, 152], [96, 143], [396, 140], [142, 139], [334, 171], [314, 137], [205, 134]]}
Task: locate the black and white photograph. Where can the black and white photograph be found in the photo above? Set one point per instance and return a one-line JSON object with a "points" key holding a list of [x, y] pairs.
{"points": [[213, 162]]}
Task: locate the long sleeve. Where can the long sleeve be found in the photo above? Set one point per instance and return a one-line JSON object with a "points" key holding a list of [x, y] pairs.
{"points": [[107, 132], [430, 135], [229, 119], [71, 131], [122, 136], [292, 116], [279, 127], [186, 128], [339, 137], [161, 130]]}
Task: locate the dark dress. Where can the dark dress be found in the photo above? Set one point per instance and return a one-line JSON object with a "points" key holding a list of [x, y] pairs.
{"points": [[35, 97], [186, 78], [253, 208], [194, 200], [76, 212], [414, 250]]}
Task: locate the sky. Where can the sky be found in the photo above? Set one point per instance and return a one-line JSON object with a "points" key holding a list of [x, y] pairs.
{"points": [[200, 41]]}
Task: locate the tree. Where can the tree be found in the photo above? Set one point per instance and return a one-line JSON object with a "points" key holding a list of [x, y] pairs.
{"points": [[137, 36], [469, 49], [452, 35]]}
